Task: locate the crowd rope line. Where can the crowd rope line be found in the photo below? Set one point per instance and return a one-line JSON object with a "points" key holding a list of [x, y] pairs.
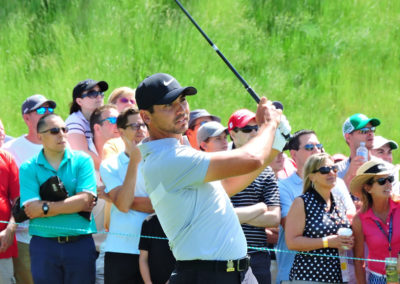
{"points": [[161, 238]]}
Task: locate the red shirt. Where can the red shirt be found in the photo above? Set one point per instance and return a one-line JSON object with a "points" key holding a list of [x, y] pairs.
{"points": [[9, 190], [377, 242]]}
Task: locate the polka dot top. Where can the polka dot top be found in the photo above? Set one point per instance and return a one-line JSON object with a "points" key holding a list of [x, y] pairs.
{"points": [[320, 222]]}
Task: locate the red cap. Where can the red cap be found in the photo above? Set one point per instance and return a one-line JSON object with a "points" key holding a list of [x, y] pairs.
{"points": [[240, 118]]}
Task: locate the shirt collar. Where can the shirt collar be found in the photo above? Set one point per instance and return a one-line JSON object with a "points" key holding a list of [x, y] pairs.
{"points": [[41, 159]]}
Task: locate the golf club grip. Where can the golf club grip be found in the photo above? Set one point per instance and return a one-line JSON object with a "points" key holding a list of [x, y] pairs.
{"points": [[241, 79]]}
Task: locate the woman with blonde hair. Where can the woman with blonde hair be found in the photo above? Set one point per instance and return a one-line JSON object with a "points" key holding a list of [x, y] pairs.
{"points": [[122, 97], [376, 223], [313, 222]]}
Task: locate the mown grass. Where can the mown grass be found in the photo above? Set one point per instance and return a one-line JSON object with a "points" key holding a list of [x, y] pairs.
{"points": [[325, 60]]}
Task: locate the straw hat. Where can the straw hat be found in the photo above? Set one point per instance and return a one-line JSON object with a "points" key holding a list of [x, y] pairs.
{"points": [[374, 167]]}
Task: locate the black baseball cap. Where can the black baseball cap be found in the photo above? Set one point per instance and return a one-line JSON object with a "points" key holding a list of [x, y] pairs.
{"points": [[87, 85], [160, 89]]}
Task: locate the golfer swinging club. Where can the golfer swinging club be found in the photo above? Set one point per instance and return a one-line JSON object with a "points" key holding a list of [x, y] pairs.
{"points": [[186, 186]]}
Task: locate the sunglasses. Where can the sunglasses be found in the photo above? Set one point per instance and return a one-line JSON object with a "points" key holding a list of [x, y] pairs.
{"points": [[247, 129], [366, 130], [56, 130], [92, 94], [125, 101], [382, 181], [111, 119], [327, 170], [42, 110], [310, 147], [136, 126]]}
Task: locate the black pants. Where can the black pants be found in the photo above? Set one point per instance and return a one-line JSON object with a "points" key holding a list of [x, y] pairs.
{"points": [[121, 268], [260, 263]]}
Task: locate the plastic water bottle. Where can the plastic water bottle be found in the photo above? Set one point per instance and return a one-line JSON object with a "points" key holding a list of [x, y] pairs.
{"points": [[362, 151]]}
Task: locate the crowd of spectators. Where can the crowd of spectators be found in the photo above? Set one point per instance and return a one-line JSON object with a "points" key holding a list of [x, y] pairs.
{"points": [[143, 190]]}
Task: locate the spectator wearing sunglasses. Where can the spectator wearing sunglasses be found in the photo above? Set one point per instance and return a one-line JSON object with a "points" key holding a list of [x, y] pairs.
{"points": [[356, 129], [197, 118], [62, 247], [22, 149], [257, 206], [86, 97], [122, 97], [376, 224], [302, 145], [103, 124], [313, 222], [131, 204]]}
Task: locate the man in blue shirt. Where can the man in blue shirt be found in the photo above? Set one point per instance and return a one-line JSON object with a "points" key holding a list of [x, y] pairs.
{"points": [[183, 184], [62, 248]]}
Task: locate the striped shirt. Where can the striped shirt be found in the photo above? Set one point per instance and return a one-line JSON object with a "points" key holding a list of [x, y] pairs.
{"points": [[263, 189]]}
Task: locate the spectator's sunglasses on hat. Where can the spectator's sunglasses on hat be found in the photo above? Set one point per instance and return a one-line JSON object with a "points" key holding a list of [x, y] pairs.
{"points": [[92, 94], [56, 130], [135, 126], [126, 100], [310, 147], [366, 130], [247, 128], [327, 170], [42, 110], [111, 119], [382, 181]]}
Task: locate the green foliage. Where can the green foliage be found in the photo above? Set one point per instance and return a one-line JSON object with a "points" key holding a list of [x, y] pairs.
{"points": [[325, 60]]}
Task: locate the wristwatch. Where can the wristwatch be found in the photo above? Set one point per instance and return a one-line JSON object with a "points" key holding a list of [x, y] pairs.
{"points": [[45, 208]]}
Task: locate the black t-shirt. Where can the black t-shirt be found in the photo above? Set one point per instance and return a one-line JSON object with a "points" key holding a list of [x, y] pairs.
{"points": [[161, 260]]}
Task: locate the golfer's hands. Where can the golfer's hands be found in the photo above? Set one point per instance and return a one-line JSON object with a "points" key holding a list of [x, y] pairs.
{"points": [[339, 242], [267, 113]]}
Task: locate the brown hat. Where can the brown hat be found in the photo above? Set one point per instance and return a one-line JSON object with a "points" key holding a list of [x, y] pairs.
{"points": [[374, 167]]}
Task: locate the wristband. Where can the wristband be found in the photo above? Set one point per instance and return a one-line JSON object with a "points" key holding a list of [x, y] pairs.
{"points": [[325, 242]]}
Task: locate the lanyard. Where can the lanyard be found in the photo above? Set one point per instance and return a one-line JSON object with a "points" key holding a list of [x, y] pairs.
{"points": [[389, 237]]}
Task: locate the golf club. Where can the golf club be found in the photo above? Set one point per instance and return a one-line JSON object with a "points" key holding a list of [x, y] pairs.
{"points": [[243, 81]]}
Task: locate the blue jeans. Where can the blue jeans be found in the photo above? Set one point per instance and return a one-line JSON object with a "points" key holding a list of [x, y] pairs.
{"points": [[260, 263], [67, 263]]}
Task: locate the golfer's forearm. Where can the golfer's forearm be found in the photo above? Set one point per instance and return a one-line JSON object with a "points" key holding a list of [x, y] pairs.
{"points": [[261, 144]]}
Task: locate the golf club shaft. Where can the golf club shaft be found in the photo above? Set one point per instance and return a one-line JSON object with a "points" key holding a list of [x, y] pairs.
{"points": [[243, 81]]}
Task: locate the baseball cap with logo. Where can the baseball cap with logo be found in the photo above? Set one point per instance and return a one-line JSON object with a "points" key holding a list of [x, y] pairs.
{"points": [[160, 89], [210, 129], [358, 121], [87, 85], [240, 119], [34, 102], [198, 113]]}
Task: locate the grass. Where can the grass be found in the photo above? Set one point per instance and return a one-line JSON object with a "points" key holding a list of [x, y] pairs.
{"points": [[325, 60]]}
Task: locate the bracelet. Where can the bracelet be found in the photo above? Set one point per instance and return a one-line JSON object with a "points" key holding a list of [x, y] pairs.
{"points": [[325, 242]]}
